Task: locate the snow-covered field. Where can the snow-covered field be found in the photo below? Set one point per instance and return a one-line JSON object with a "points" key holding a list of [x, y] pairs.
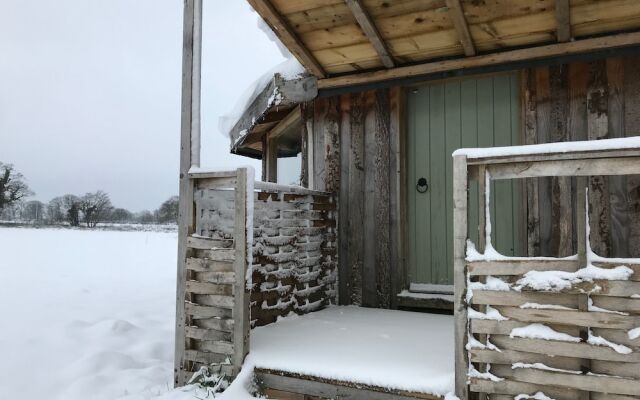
{"points": [[89, 315], [86, 314]]}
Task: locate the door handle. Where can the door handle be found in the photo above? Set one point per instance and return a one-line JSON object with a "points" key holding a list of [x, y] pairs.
{"points": [[422, 186]]}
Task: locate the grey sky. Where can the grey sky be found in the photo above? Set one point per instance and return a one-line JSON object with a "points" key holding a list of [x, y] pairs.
{"points": [[90, 92]]}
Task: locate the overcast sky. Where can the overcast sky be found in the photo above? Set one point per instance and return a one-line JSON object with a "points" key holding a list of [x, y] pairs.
{"points": [[90, 92]]}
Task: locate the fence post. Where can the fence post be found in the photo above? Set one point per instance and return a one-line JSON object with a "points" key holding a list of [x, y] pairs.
{"points": [[189, 156], [243, 237], [460, 193]]}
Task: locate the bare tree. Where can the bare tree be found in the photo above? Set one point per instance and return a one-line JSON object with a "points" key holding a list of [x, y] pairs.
{"points": [[33, 211], [145, 217], [168, 211], [121, 215], [71, 206], [13, 187], [95, 207]]}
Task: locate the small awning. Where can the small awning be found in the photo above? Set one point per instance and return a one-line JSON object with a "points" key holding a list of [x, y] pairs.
{"points": [[272, 106]]}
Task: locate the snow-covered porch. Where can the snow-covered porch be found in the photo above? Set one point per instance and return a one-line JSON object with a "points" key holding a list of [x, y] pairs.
{"points": [[354, 351]]}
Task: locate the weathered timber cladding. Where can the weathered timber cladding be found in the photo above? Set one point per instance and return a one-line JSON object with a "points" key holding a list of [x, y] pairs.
{"points": [[359, 137], [582, 101]]}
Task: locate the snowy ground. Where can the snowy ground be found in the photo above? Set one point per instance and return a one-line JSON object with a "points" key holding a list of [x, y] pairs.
{"points": [[86, 314], [89, 315], [394, 349]]}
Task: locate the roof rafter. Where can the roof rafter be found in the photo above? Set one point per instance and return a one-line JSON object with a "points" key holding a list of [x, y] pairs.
{"points": [[369, 29], [582, 46], [563, 18], [462, 28], [288, 36]]}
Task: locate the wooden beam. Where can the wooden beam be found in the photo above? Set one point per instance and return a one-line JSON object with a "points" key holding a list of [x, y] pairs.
{"points": [[462, 28], [534, 53], [563, 19], [288, 36], [369, 28], [294, 117], [189, 156], [586, 167], [270, 156]]}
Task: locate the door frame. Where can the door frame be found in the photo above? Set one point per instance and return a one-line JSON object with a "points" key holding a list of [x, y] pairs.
{"points": [[402, 283]]}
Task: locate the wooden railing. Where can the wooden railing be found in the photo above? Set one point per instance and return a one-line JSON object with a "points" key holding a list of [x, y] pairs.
{"points": [[518, 331], [253, 251]]}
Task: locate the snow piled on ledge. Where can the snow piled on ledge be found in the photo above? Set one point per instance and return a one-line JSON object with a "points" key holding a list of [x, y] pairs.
{"points": [[288, 69], [548, 148]]}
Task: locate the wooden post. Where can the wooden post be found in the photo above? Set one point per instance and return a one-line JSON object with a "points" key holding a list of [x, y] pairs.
{"points": [[270, 155], [484, 191], [189, 156], [460, 199], [583, 242], [243, 228]]}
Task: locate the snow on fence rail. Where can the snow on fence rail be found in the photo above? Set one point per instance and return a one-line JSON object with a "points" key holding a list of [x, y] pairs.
{"points": [[279, 239], [567, 328]]}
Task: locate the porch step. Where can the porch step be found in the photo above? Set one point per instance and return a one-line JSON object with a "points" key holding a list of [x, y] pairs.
{"points": [[429, 288], [286, 385], [427, 296]]}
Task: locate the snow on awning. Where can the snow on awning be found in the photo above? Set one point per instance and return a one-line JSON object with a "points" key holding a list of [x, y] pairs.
{"points": [[265, 103]]}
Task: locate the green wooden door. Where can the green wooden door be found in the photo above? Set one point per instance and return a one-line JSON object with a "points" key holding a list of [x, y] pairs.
{"points": [[444, 116]]}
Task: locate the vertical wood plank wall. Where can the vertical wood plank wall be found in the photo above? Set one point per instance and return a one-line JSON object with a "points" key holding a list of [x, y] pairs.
{"points": [[355, 143], [356, 139], [583, 101]]}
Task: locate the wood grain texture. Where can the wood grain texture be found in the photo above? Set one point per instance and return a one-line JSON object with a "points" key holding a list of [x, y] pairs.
{"points": [[287, 35], [189, 129], [369, 275], [343, 208], [460, 234], [510, 56], [369, 28], [563, 19], [356, 197], [462, 28]]}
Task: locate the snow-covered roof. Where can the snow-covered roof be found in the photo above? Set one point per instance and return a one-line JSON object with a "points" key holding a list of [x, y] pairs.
{"points": [[265, 102]]}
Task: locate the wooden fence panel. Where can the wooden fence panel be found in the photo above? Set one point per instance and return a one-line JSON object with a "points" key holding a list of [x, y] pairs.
{"points": [[286, 237], [526, 334]]}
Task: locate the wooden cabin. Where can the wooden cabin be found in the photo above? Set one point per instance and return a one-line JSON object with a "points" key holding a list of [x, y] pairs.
{"points": [[392, 89]]}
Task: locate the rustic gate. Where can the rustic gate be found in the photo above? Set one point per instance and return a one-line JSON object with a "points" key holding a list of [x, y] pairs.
{"points": [[566, 327]]}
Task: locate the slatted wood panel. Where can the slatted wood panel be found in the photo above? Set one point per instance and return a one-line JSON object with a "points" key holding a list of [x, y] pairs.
{"points": [[443, 117], [294, 256], [592, 312], [419, 30], [216, 308], [583, 101], [613, 373]]}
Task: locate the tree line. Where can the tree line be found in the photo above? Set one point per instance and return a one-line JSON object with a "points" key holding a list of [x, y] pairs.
{"points": [[89, 209]]}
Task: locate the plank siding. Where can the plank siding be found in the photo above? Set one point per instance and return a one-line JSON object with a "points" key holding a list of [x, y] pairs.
{"points": [[355, 151], [355, 162], [580, 101], [356, 197]]}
